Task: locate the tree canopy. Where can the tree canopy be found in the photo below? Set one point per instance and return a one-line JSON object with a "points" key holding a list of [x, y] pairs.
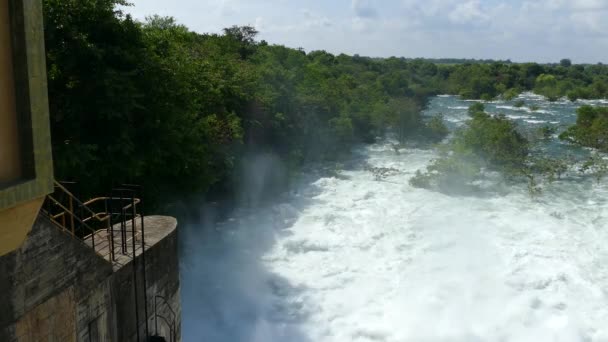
{"points": [[157, 104]]}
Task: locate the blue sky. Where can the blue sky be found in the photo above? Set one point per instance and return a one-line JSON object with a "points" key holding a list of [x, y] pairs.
{"points": [[522, 30]]}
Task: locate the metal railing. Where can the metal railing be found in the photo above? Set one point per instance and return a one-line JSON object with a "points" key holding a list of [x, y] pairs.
{"points": [[170, 323], [94, 222], [109, 219]]}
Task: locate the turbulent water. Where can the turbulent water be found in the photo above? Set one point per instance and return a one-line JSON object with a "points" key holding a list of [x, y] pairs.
{"points": [[353, 258]]}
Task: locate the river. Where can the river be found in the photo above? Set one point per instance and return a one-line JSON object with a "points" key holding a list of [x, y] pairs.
{"points": [[348, 257]]}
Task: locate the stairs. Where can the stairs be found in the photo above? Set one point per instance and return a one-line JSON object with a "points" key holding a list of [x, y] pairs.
{"points": [[112, 226]]}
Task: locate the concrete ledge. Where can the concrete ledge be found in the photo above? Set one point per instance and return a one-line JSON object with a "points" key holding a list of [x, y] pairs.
{"points": [[156, 228], [56, 288]]}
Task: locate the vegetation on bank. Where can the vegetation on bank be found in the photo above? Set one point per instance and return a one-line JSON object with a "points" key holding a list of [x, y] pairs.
{"points": [[591, 128], [159, 105], [493, 144], [173, 110], [507, 80], [486, 143]]}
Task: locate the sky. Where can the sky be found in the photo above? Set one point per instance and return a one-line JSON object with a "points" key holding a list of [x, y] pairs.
{"points": [[520, 30]]}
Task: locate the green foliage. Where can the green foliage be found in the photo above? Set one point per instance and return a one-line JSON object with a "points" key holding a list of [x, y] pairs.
{"points": [[93, 54], [436, 130], [476, 108], [486, 97], [597, 166], [422, 180], [591, 128], [452, 173], [550, 168], [511, 94], [487, 142], [495, 140], [488, 80], [519, 104], [547, 85], [156, 104], [546, 131]]}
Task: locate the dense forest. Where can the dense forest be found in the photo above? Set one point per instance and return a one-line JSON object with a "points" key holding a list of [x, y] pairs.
{"points": [[157, 104]]}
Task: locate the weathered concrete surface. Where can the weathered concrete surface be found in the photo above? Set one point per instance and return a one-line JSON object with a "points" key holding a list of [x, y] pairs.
{"points": [[156, 228], [56, 288], [162, 279]]}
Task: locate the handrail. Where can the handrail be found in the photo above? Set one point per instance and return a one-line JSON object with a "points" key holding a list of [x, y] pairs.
{"points": [[81, 219], [172, 325], [71, 195], [93, 200], [68, 219], [66, 210]]}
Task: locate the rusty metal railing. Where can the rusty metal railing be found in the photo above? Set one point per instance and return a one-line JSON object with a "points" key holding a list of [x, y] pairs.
{"points": [[93, 221], [171, 323], [97, 218]]}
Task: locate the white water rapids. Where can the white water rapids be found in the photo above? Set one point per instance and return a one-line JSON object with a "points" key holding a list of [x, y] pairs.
{"points": [[350, 258]]}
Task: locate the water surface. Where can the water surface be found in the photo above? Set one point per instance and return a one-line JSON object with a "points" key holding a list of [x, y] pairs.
{"points": [[350, 258]]}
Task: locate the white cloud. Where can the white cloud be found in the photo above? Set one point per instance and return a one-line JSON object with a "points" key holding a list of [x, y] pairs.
{"points": [[227, 7], [589, 5], [468, 12], [315, 20], [364, 9], [567, 5], [590, 23], [539, 30], [427, 8], [259, 24]]}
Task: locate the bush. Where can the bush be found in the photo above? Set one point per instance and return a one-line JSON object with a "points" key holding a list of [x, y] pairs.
{"points": [[495, 140], [597, 166], [476, 108], [486, 97], [546, 131], [591, 128], [487, 142], [435, 128], [511, 94]]}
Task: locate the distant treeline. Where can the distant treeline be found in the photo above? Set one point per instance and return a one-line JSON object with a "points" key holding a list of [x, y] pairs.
{"points": [[173, 110], [463, 61], [487, 81], [156, 104]]}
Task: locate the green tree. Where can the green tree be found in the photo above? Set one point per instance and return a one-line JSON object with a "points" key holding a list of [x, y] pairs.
{"points": [[591, 128], [566, 63]]}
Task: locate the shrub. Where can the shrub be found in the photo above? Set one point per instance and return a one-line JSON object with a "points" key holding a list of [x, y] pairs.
{"points": [[591, 128], [487, 142], [476, 108], [546, 131], [597, 166], [435, 128], [511, 94]]}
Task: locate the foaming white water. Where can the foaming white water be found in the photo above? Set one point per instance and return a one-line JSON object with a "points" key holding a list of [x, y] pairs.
{"points": [[351, 258]]}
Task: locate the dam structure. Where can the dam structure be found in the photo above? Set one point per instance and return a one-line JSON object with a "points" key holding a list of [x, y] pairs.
{"points": [[71, 269]]}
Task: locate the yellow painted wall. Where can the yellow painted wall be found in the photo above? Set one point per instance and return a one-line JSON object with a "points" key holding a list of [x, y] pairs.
{"points": [[10, 162], [16, 223]]}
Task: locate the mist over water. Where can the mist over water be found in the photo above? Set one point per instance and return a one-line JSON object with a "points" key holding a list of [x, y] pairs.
{"points": [[352, 258]]}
